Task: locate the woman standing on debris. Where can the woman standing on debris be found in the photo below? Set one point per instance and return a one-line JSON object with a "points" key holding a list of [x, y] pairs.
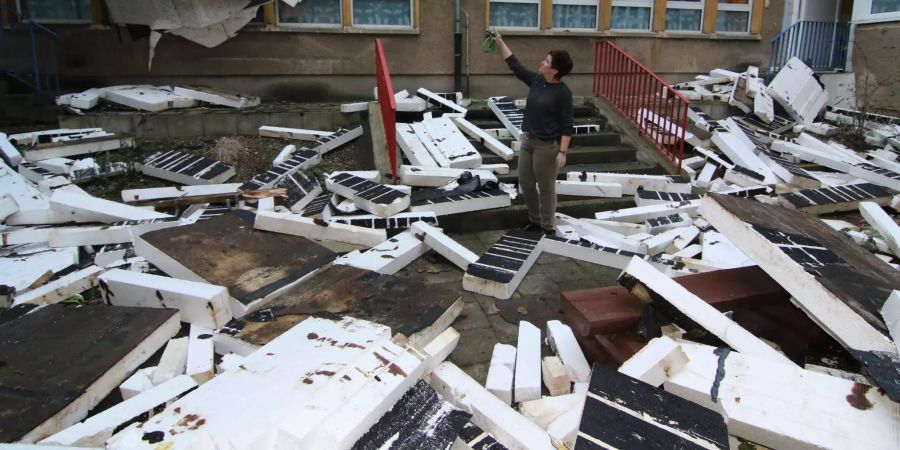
{"points": [[548, 127]]}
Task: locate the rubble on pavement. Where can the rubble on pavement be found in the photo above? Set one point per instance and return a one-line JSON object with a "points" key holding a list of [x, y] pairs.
{"points": [[300, 328]]}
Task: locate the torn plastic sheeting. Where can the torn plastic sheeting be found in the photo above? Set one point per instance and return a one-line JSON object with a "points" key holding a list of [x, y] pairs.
{"points": [[217, 33], [175, 14]]}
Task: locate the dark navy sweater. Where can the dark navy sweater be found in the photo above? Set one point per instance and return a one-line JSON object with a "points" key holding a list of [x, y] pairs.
{"points": [[548, 111]]}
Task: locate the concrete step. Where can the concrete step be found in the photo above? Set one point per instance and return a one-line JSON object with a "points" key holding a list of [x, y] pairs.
{"points": [[578, 155], [484, 113], [492, 122], [631, 166], [516, 216]]}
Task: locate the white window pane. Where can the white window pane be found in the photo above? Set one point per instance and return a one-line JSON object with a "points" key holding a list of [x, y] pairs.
{"points": [[382, 12], [630, 18], [504, 14], [57, 9], [311, 12], [574, 16], [683, 19], [733, 21], [885, 6]]}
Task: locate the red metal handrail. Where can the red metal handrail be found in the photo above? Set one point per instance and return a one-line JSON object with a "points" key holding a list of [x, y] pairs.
{"points": [[388, 105], [658, 111]]}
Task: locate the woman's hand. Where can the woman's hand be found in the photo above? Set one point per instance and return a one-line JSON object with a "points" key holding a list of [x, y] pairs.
{"points": [[495, 35], [560, 160]]}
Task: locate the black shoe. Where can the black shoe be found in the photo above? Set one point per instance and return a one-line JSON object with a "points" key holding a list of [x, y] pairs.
{"points": [[532, 227], [547, 232]]}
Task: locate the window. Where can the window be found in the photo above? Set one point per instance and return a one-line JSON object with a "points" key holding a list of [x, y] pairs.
{"points": [[382, 13], [311, 13], [575, 14], [515, 13], [733, 16], [632, 14], [870, 11], [884, 6], [56, 10], [684, 15]]}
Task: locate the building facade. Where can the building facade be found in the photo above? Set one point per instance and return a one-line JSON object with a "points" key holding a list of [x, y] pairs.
{"points": [[323, 50]]}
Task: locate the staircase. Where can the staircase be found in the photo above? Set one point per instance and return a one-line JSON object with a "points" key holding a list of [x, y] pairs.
{"points": [[594, 152], [30, 56]]}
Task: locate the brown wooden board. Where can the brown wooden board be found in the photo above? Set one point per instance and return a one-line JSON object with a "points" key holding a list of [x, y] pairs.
{"points": [[402, 302], [820, 266], [782, 323], [610, 309], [227, 251], [49, 358]]}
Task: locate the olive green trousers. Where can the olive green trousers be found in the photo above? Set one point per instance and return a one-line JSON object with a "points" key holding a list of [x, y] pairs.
{"points": [[537, 171]]}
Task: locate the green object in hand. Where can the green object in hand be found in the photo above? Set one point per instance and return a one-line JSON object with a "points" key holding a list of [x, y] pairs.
{"points": [[488, 45]]}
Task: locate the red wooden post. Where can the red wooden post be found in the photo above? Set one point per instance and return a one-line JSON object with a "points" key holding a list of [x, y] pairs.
{"points": [[388, 106]]}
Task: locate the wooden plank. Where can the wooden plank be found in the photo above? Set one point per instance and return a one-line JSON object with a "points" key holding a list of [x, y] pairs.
{"points": [[199, 364], [835, 199], [297, 225], [420, 419], [561, 339], [62, 288], [659, 15], [883, 223], [784, 406], [659, 357], [527, 382], [444, 245], [200, 303], [612, 309], [501, 372], [841, 286], [546, 17], [644, 414], [502, 267], [710, 9], [73, 358], [100, 427], [689, 311], [266, 266], [321, 381], [488, 412], [756, 17], [98, 209], [605, 15], [292, 133], [389, 256], [378, 199]]}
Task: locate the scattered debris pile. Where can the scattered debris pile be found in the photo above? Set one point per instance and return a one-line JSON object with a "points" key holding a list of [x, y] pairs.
{"points": [[742, 317], [153, 98]]}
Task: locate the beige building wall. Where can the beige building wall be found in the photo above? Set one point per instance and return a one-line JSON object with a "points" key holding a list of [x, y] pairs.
{"points": [[282, 64], [876, 64]]}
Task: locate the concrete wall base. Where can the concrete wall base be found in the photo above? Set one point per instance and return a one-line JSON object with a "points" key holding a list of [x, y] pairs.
{"points": [[215, 121]]}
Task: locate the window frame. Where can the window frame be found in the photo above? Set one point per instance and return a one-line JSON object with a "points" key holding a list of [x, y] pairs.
{"points": [[22, 18], [539, 3], [748, 8], [862, 13], [594, 3], [677, 4], [411, 26], [313, 26], [649, 4]]}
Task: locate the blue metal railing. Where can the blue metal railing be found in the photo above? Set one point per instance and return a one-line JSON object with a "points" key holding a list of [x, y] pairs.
{"points": [[32, 57], [821, 45]]}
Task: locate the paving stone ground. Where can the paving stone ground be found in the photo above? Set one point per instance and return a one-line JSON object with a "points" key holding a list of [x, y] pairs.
{"points": [[480, 325]]}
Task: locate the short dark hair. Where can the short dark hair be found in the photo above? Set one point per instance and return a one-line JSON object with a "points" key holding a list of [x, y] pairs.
{"points": [[562, 62]]}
